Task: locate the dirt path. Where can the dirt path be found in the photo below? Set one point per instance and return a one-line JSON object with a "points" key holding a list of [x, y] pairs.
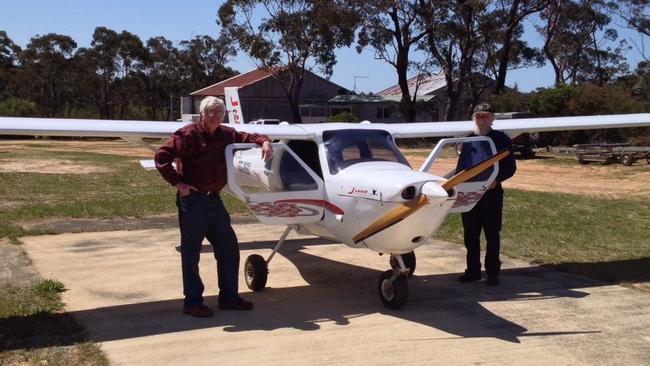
{"points": [[616, 181], [61, 166], [114, 147]]}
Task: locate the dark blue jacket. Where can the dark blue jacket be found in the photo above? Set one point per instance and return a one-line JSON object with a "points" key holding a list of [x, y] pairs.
{"points": [[507, 166], [475, 152]]}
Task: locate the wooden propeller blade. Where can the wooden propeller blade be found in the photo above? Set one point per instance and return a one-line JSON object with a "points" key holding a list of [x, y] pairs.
{"points": [[403, 211], [392, 217], [471, 172]]}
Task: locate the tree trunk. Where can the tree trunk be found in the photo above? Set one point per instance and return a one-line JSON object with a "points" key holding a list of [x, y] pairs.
{"points": [[294, 98], [504, 56], [406, 105]]}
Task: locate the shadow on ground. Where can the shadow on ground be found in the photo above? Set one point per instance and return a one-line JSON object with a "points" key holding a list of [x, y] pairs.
{"points": [[617, 272], [338, 292]]}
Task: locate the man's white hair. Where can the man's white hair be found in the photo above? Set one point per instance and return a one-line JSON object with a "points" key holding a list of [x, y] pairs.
{"points": [[210, 103]]}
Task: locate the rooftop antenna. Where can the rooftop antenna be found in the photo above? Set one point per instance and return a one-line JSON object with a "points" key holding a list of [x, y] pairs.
{"points": [[355, 77]]}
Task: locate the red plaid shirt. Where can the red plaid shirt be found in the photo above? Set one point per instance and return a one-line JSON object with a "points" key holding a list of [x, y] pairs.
{"points": [[202, 155]]}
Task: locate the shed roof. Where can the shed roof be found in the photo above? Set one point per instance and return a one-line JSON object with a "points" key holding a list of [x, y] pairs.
{"points": [[241, 80], [428, 85], [374, 98]]}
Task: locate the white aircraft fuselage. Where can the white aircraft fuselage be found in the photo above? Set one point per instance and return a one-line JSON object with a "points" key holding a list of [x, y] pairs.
{"points": [[359, 176]]}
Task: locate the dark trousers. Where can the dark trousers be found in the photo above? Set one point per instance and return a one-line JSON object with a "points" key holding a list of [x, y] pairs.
{"points": [[486, 216], [204, 216]]}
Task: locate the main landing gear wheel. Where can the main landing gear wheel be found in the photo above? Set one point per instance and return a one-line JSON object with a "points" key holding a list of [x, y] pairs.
{"points": [[256, 272], [393, 289], [409, 262]]}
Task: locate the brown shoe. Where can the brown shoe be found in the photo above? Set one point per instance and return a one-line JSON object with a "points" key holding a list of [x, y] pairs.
{"points": [[199, 311], [236, 304]]}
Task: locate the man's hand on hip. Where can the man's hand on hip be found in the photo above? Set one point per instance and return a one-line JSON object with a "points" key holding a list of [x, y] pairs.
{"points": [[185, 189]]}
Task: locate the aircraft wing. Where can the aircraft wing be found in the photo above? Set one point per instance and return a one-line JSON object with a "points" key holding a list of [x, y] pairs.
{"points": [[514, 127], [112, 128]]}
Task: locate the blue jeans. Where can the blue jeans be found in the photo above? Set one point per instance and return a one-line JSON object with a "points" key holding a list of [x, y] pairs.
{"points": [[204, 216]]}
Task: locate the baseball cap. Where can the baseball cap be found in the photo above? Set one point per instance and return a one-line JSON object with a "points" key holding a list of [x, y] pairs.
{"points": [[483, 107]]}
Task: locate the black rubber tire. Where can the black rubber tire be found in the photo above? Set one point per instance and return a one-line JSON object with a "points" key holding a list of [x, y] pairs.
{"points": [[255, 272], [393, 295], [627, 160], [409, 262]]}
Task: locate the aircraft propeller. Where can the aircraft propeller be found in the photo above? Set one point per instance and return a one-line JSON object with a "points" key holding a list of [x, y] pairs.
{"points": [[430, 190]]}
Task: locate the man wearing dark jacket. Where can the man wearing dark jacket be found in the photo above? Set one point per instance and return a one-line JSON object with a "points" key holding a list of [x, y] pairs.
{"points": [[486, 215], [198, 149]]}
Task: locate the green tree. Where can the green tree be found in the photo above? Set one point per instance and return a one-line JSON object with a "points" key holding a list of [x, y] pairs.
{"points": [[636, 14], [453, 41], [510, 101], [14, 107], [393, 30], [8, 51], [291, 38], [118, 57], [162, 82], [575, 41], [503, 46], [585, 100], [641, 81], [203, 60], [343, 117], [8, 58], [46, 68]]}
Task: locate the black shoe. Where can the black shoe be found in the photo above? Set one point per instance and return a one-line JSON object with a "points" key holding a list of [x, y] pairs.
{"points": [[199, 311], [493, 280], [469, 277], [236, 304]]}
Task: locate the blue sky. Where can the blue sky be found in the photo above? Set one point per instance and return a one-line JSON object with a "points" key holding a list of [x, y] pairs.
{"points": [[181, 20]]}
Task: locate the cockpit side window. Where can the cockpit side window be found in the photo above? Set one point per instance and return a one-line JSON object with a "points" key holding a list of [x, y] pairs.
{"points": [[349, 147]]}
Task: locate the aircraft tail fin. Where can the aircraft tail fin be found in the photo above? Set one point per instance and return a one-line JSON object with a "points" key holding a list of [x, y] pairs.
{"points": [[233, 106]]}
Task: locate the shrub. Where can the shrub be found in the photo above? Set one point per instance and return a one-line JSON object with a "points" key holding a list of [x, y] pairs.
{"points": [[342, 117], [15, 107]]}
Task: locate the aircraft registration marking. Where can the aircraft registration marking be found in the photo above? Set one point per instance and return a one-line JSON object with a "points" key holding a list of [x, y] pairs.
{"points": [[468, 198]]}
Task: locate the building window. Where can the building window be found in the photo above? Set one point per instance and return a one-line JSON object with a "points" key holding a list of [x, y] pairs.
{"points": [[383, 112]]}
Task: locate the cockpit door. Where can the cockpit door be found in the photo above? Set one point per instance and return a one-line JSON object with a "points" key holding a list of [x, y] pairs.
{"points": [[452, 155], [283, 190]]}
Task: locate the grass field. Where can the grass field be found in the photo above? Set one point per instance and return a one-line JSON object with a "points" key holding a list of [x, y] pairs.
{"points": [[124, 190], [601, 238], [33, 324], [606, 239]]}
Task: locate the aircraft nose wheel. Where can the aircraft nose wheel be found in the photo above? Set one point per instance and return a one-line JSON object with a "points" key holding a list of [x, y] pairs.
{"points": [[256, 272], [409, 262], [393, 289]]}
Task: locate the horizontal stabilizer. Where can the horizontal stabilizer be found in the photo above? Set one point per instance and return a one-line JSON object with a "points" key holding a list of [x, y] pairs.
{"points": [[148, 164]]}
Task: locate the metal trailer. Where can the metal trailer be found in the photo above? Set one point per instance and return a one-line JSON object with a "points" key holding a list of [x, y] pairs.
{"points": [[611, 153]]}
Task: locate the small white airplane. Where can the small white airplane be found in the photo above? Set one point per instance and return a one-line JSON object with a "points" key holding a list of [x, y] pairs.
{"points": [[345, 181]]}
